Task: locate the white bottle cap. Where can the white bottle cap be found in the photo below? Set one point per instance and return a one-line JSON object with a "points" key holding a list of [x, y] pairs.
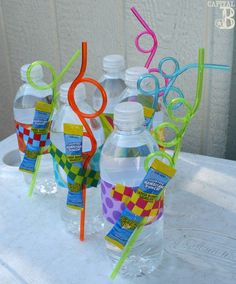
{"points": [[80, 92], [113, 63], [128, 115], [132, 75], [36, 72]]}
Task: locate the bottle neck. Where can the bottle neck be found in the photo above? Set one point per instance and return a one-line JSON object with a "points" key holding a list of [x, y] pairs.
{"points": [[132, 87], [66, 102], [131, 84], [128, 130], [25, 81], [114, 75]]}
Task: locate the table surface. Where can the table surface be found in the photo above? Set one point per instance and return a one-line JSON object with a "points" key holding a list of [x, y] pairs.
{"points": [[200, 230]]}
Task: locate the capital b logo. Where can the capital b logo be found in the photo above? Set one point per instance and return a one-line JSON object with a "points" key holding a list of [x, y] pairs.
{"points": [[227, 21]]}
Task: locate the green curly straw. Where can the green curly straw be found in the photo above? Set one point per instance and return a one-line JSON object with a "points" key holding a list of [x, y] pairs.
{"points": [[53, 85], [177, 142]]}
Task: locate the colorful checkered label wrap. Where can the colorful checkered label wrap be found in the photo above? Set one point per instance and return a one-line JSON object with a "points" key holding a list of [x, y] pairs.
{"points": [[146, 201], [135, 203], [122, 193], [78, 175], [35, 139], [38, 134]]}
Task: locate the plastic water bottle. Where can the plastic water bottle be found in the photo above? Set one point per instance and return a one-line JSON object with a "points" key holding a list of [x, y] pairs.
{"points": [[131, 77], [122, 161], [24, 109], [65, 114], [113, 83]]}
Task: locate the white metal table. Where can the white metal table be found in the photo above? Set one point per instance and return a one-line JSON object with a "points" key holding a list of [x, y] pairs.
{"points": [[200, 230]]}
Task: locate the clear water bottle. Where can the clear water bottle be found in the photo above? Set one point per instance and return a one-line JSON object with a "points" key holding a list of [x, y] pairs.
{"points": [[131, 93], [24, 109], [122, 161], [113, 83], [65, 114]]}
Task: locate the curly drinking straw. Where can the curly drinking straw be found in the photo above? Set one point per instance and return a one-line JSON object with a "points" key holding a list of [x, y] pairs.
{"points": [[177, 142], [156, 91], [152, 50], [178, 71], [53, 85], [189, 115], [149, 32], [82, 116]]}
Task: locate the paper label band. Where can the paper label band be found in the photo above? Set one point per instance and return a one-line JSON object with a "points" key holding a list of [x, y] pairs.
{"points": [[29, 137], [22, 133], [39, 131], [145, 202], [77, 174]]}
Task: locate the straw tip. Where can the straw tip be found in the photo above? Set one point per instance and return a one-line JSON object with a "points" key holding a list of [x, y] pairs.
{"points": [[201, 50], [113, 275]]}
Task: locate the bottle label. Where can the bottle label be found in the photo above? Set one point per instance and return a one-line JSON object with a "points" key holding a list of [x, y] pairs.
{"points": [[112, 208], [77, 174], [39, 130], [58, 176], [22, 133], [146, 201], [73, 135], [29, 137]]}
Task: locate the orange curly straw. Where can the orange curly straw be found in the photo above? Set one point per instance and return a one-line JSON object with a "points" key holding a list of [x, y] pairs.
{"points": [[82, 116]]}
